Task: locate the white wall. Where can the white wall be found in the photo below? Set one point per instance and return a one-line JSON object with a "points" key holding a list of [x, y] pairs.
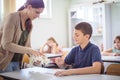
{"points": [[55, 26], [107, 27], [112, 28], [115, 12], [0, 11], [82, 1]]}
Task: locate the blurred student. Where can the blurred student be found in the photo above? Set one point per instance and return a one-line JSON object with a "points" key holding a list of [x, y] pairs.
{"points": [[51, 46], [115, 51], [15, 35], [84, 58]]}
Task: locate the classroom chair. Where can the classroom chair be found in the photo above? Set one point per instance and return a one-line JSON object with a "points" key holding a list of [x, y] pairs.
{"points": [[1, 78], [25, 60], [102, 69], [113, 69]]}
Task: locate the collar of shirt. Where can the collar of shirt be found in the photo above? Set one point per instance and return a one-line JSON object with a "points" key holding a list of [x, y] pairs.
{"points": [[88, 45]]}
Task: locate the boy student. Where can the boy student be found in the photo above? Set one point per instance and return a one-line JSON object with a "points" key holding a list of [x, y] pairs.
{"points": [[84, 58]]}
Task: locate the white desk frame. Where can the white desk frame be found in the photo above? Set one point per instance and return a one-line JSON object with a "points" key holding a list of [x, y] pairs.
{"points": [[115, 59]]}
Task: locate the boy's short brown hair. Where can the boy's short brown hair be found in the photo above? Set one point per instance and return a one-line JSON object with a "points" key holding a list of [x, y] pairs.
{"points": [[85, 27]]}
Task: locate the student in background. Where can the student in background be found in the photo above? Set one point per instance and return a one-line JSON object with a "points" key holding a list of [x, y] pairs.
{"points": [[84, 58], [15, 35], [115, 51], [51, 46]]}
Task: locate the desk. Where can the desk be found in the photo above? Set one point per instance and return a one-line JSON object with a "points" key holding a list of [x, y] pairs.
{"points": [[37, 73], [115, 59], [107, 60]]}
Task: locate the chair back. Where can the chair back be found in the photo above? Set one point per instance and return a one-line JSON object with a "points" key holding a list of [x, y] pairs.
{"points": [[113, 69], [102, 69], [1, 78], [25, 58], [25, 61]]}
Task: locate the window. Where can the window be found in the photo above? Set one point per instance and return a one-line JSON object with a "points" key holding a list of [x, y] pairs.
{"points": [[1, 11], [47, 11]]}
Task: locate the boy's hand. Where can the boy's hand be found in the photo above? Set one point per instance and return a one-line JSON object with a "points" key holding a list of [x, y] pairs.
{"points": [[60, 62], [62, 73]]}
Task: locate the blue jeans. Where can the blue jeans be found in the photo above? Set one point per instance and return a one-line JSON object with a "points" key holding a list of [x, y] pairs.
{"points": [[13, 66]]}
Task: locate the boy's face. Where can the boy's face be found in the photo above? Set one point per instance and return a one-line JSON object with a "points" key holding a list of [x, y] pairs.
{"points": [[79, 37]]}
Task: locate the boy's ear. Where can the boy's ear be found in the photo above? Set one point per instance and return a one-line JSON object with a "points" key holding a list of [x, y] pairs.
{"points": [[87, 36]]}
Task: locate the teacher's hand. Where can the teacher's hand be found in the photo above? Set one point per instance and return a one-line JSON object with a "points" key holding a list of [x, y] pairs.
{"points": [[37, 53]]}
